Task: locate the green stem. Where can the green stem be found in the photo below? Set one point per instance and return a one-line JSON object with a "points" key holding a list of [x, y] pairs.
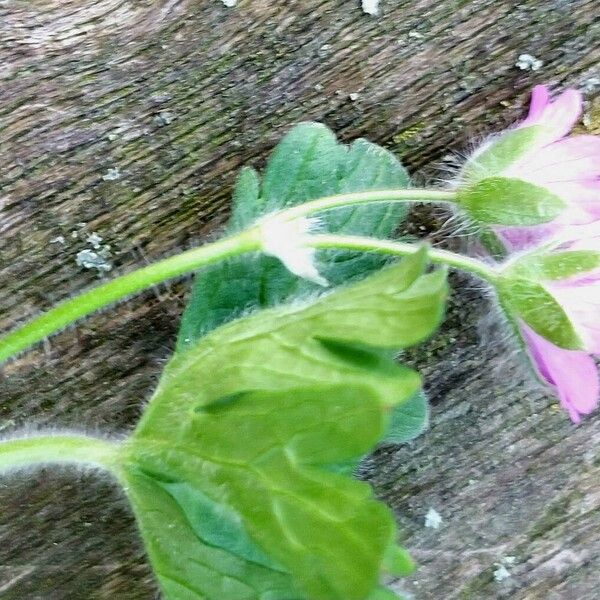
{"points": [[365, 244], [373, 197], [18, 453], [71, 310]]}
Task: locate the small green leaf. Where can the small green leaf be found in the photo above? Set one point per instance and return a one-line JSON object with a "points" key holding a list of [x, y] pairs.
{"points": [[259, 456], [307, 164], [398, 561], [250, 428], [246, 201], [529, 301], [188, 564], [508, 201], [408, 420], [500, 154], [548, 266]]}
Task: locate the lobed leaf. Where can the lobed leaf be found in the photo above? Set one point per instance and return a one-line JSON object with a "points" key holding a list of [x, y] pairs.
{"points": [[307, 164], [234, 470]]}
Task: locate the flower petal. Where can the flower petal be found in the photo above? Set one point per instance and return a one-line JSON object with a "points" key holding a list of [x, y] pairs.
{"points": [[540, 99], [582, 198], [572, 374], [557, 118], [574, 158], [515, 239], [580, 298]]}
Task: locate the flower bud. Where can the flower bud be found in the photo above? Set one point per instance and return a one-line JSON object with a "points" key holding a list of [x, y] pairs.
{"points": [[553, 295], [532, 180]]}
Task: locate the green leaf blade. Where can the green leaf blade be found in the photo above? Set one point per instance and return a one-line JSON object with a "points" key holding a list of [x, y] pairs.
{"points": [[320, 526], [408, 420], [555, 265], [185, 563], [307, 164], [251, 424]]}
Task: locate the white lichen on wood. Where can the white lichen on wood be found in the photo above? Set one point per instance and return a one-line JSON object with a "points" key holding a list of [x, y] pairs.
{"points": [[528, 62], [433, 519], [371, 7]]}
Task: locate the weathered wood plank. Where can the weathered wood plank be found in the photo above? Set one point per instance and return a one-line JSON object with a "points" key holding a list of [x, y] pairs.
{"points": [[130, 119]]}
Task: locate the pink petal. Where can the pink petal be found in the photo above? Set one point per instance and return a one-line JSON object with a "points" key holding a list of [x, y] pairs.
{"points": [[540, 98], [557, 117], [564, 112], [583, 198], [572, 374], [580, 237], [515, 239], [580, 299], [574, 158]]}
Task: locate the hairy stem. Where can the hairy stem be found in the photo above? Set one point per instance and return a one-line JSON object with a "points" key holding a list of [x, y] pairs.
{"points": [[71, 310], [372, 197], [18, 453], [249, 240], [365, 244]]}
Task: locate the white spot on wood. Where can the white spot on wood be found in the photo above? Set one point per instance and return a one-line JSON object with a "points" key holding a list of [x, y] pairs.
{"points": [[433, 519], [88, 259], [112, 174], [591, 85], [413, 34], [94, 240], [501, 573], [164, 118], [528, 62], [229, 3], [371, 7], [97, 256]]}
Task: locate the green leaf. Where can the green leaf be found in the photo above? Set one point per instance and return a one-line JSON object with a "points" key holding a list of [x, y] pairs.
{"points": [[246, 429], [398, 562], [246, 200], [179, 536], [528, 300], [509, 201], [307, 164], [555, 265], [409, 419], [500, 154]]}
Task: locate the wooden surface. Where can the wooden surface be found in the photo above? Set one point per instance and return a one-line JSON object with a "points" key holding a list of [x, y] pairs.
{"points": [[131, 118]]}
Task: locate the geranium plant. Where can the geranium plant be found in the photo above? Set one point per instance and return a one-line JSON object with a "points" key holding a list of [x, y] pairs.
{"points": [[240, 470]]}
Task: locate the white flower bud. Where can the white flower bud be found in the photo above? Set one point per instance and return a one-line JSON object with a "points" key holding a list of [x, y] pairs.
{"points": [[287, 240]]}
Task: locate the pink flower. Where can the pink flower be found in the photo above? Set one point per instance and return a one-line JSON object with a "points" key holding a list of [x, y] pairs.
{"points": [[568, 167], [572, 374]]}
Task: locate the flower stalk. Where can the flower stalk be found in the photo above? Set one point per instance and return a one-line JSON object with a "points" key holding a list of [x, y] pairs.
{"points": [[22, 452], [249, 240], [442, 257]]}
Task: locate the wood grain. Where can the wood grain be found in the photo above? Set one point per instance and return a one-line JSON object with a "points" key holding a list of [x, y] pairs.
{"points": [[131, 118]]}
